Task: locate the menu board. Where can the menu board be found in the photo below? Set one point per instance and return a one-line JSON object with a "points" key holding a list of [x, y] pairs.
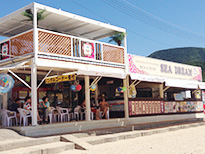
{"points": [[157, 107], [145, 107], [116, 105]]}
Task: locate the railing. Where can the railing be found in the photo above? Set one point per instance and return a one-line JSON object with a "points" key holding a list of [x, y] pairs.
{"points": [[21, 44], [61, 44], [52, 43]]}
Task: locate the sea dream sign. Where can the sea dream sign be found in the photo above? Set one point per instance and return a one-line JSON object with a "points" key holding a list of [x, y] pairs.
{"points": [[87, 50], [6, 83], [162, 68]]}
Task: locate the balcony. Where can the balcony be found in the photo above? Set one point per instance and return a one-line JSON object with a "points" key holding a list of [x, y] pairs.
{"points": [[58, 46]]}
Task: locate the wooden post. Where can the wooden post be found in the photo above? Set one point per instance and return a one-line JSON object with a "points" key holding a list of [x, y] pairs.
{"points": [[96, 95], [126, 97], [5, 101], [87, 97], [161, 90]]}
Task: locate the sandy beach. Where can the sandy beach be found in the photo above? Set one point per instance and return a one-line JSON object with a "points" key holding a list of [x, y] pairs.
{"points": [[184, 141]]}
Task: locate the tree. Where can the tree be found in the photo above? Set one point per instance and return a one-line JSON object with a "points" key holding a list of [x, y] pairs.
{"points": [[28, 13], [118, 37]]}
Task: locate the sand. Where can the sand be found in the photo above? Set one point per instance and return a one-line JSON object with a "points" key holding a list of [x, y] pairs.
{"points": [[184, 141]]}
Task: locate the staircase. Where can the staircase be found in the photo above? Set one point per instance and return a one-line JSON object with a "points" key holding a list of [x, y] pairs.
{"points": [[45, 145]]}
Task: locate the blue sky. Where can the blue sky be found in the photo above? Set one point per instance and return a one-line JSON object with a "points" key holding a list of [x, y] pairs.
{"points": [[143, 36]]}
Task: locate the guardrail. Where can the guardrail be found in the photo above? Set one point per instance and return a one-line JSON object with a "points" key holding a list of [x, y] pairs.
{"points": [[58, 44]]}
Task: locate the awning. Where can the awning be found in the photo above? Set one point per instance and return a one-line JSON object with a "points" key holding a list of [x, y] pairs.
{"points": [[187, 84], [104, 72], [14, 65], [202, 85], [147, 78], [83, 69]]}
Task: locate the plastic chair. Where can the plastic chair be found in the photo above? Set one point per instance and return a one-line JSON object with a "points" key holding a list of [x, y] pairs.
{"points": [[108, 114], [24, 116], [63, 114], [91, 115], [76, 113], [3, 119], [52, 116], [7, 117], [71, 113]]}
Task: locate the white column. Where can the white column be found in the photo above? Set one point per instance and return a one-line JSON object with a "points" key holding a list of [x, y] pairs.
{"points": [[34, 92], [34, 68], [96, 95], [125, 84], [5, 100], [87, 98], [35, 33]]}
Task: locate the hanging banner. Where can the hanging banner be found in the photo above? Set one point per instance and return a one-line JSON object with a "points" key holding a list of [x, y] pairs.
{"points": [[4, 50], [61, 78], [161, 68], [87, 50]]}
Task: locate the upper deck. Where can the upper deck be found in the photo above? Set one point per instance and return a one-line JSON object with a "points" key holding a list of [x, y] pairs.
{"points": [[61, 36]]}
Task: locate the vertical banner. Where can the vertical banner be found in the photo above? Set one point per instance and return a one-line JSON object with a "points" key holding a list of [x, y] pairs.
{"points": [[4, 53]]}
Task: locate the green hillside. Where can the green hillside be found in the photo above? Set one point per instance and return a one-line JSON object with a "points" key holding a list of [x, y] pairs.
{"points": [[188, 55]]}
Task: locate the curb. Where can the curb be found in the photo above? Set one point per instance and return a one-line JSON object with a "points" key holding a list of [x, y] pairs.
{"points": [[136, 133]]}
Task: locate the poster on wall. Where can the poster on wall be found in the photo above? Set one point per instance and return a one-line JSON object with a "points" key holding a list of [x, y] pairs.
{"points": [[87, 50], [203, 96], [4, 50], [199, 106], [198, 94]]}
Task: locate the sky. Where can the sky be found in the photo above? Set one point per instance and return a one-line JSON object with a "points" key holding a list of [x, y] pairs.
{"points": [[151, 25]]}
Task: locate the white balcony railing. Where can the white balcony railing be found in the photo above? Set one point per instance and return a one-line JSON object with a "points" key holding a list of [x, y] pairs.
{"points": [[62, 45]]}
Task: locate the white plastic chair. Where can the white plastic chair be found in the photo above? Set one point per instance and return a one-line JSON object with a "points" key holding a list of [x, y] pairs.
{"points": [[63, 114], [108, 114], [24, 116], [52, 116], [7, 119], [70, 113], [3, 119], [76, 113], [91, 115]]}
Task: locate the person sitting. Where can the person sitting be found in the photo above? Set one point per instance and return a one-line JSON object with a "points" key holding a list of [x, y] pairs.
{"points": [[27, 106], [15, 105], [45, 104], [93, 109], [104, 107]]}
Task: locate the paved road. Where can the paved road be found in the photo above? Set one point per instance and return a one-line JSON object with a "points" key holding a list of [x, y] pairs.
{"points": [[184, 141]]}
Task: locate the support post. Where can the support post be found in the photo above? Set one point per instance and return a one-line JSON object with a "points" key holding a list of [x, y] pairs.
{"points": [[34, 92], [96, 95], [126, 97], [161, 90], [34, 68], [5, 100], [87, 97]]}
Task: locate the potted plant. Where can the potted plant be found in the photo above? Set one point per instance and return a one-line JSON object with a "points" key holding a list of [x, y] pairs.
{"points": [[117, 37], [28, 13]]}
